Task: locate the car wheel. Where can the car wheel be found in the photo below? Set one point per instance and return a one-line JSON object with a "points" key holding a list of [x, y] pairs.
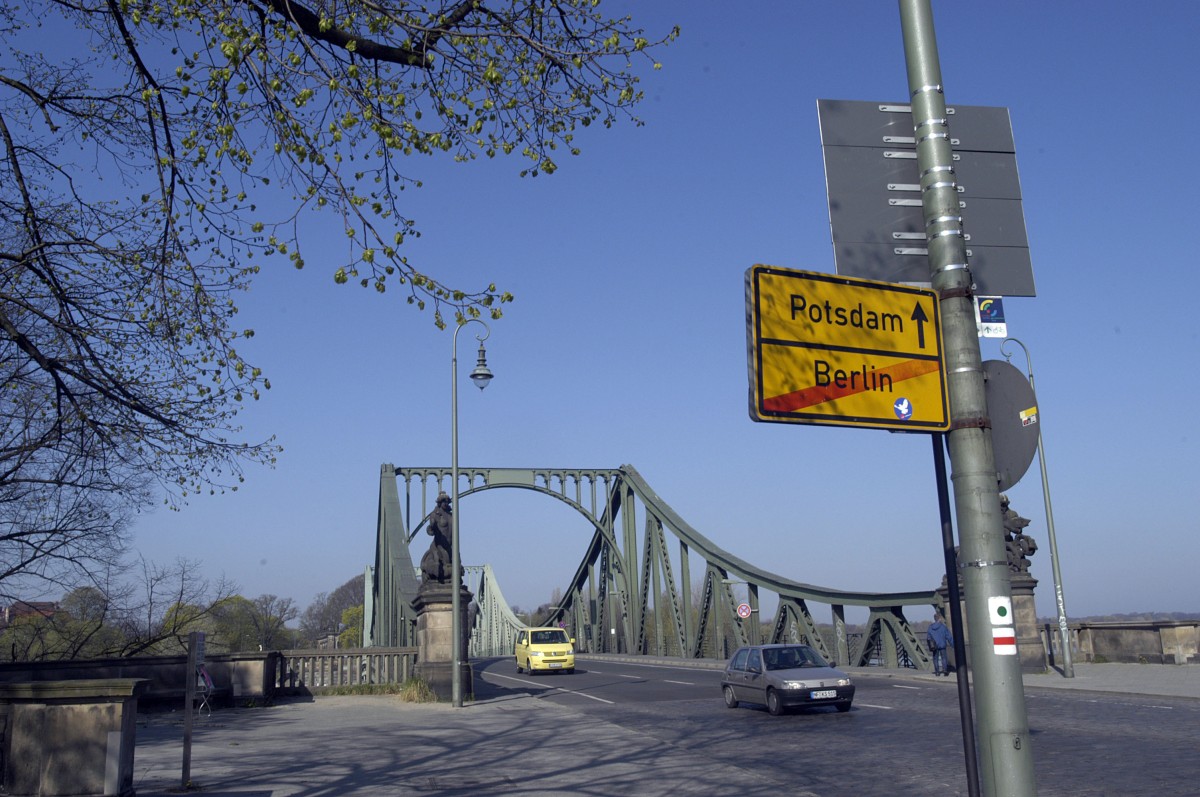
{"points": [[730, 700], [844, 706], [774, 704], [518, 666]]}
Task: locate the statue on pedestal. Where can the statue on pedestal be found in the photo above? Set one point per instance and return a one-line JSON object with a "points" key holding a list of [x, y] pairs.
{"points": [[1019, 546], [434, 603], [436, 567]]}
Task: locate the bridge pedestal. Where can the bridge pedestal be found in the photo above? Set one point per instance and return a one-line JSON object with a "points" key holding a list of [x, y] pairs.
{"points": [[434, 605], [1029, 641]]}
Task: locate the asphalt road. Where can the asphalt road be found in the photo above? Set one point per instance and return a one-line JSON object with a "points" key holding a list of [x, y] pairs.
{"points": [[901, 736]]}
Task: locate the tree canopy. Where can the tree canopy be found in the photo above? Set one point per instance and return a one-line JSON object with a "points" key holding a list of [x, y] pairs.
{"points": [[325, 614], [155, 153], [146, 610]]}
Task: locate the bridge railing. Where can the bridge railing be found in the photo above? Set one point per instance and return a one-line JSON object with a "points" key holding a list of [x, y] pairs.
{"points": [[319, 669]]}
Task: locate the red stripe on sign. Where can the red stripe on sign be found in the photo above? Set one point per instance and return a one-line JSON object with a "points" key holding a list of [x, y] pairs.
{"points": [[819, 394], [1004, 640]]}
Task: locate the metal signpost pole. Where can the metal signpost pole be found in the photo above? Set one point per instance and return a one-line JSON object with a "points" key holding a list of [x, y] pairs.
{"points": [[1005, 756], [1059, 602], [961, 672], [189, 699]]}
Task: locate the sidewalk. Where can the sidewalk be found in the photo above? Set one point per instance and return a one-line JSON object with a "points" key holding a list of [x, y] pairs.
{"points": [[1173, 680], [506, 743], [1170, 680], [372, 746]]}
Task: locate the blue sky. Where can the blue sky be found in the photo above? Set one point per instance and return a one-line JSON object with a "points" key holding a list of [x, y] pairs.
{"points": [[626, 341]]}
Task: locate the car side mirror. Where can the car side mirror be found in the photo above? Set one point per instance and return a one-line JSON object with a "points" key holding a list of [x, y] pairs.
{"points": [[572, 640]]}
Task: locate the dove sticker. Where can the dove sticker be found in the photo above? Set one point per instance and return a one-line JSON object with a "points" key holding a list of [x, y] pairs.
{"points": [[903, 408]]}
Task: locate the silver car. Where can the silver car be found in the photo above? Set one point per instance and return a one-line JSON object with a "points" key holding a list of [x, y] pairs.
{"points": [[784, 676]]}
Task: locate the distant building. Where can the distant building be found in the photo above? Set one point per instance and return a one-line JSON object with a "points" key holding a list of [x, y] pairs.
{"points": [[16, 611]]}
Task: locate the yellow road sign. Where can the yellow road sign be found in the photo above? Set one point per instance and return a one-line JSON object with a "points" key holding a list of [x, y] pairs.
{"points": [[828, 349]]}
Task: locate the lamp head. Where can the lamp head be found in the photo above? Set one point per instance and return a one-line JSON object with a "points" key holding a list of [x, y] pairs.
{"points": [[481, 375]]}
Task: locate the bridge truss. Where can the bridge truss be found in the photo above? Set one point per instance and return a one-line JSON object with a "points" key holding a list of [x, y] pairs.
{"points": [[633, 590]]}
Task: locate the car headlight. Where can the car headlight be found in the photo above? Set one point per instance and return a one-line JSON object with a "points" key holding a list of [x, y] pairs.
{"points": [[793, 684], [570, 651], [843, 682], [535, 653]]}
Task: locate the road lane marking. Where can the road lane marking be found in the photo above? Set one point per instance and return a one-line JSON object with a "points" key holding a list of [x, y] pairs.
{"points": [[872, 705], [716, 670], [899, 686], [509, 678], [581, 694], [550, 688], [639, 677]]}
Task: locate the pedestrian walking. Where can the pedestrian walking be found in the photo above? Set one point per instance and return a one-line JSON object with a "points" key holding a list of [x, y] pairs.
{"points": [[938, 638]]}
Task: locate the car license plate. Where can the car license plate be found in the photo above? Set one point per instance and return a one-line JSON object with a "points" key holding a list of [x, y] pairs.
{"points": [[554, 665], [822, 694]]}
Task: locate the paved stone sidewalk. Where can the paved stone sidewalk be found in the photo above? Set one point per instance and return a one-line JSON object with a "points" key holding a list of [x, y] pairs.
{"points": [[533, 746], [1135, 679], [507, 747]]}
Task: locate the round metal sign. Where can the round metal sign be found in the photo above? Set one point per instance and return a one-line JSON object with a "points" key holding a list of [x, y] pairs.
{"points": [[743, 610], [1013, 410]]}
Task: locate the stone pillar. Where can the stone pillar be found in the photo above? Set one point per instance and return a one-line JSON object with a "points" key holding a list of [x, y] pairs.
{"points": [[434, 606], [69, 737], [1029, 641]]}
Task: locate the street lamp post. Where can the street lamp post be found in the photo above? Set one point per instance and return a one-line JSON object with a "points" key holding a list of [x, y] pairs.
{"points": [[1060, 604], [480, 376]]}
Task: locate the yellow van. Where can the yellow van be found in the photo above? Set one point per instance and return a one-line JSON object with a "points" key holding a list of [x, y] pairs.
{"points": [[546, 648]]}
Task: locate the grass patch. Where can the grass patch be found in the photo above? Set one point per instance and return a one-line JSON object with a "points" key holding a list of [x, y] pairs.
{"points": [[363, 689], [415, 690]]}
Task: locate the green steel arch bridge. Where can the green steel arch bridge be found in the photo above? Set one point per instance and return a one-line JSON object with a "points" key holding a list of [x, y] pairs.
{"points": [[632, 591]]}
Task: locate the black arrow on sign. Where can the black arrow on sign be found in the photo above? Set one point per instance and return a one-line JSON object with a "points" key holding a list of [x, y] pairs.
{"points": [[919, 316]]}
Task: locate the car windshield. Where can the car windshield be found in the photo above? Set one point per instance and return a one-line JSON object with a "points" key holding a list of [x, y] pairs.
{"points": [[792, 657], [555, 637]]}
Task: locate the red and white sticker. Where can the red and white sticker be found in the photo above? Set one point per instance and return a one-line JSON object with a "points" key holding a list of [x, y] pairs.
{"points": [[1004, 641]]}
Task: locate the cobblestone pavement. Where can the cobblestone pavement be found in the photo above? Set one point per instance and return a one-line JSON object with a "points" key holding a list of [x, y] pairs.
{"points": [[524, 743]]}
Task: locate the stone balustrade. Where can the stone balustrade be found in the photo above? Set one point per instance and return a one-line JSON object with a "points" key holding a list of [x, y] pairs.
{"points": [[320, 670]]}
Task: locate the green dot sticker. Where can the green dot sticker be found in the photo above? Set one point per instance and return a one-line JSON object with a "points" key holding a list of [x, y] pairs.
{"points": [[1000, 610]]}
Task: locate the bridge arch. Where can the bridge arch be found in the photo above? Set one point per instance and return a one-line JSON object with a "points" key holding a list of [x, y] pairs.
{"points": [[631, 582]]}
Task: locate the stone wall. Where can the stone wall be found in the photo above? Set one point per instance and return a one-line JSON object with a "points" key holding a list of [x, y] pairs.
{"points": [[71, 737], [1151, 642], [235, 676]]}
